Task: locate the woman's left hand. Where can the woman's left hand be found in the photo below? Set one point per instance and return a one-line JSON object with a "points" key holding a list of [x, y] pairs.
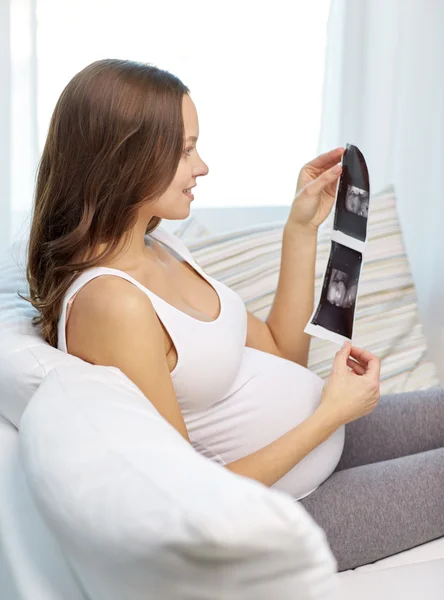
{"points": [[316, 190]]}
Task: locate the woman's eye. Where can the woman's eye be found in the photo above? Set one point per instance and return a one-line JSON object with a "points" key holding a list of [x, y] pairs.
{"points": [[188, 149]]}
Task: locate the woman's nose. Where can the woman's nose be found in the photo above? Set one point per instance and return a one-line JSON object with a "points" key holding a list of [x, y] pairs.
{"points": [[205, 169]]}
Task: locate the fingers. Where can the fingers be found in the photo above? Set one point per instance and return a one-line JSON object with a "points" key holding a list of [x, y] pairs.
{"points": [[374, 368], [370, 361], [342, 356], [346, 349], [361, 355], [356, 367], [326, 179], [327, 160]]}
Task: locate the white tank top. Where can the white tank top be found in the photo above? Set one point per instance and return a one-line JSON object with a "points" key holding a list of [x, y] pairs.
{"points": [[234, 399]]}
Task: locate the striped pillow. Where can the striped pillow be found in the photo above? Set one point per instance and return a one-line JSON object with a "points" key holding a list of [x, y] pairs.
{"points": [[387, 321]]}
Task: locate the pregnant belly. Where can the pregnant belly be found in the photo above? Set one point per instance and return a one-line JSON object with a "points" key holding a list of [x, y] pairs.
{"points": [[269, 396]]}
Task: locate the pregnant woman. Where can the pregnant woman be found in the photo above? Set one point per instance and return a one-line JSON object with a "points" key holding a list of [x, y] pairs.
{"points": [[114, 288]]}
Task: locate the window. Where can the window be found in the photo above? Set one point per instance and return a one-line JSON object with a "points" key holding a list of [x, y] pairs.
{"points": [[255, 69]]}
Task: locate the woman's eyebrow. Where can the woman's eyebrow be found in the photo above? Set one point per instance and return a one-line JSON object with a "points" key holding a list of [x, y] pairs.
{"points": [[193, 138]]}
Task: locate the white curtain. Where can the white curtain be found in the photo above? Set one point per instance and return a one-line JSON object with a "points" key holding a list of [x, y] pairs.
{"points": [[384, 92], [5, 126], [19, 150]]}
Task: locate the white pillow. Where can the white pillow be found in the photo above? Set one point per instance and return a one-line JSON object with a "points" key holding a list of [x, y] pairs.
{"points": [[32, 566], [25, 357], [139, 513]]}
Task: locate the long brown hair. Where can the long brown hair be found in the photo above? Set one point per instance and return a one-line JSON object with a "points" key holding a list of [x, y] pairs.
{"points": [[114, 143]]}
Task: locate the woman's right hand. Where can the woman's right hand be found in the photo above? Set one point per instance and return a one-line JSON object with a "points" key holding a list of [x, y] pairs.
{"points": [[352, 389]]}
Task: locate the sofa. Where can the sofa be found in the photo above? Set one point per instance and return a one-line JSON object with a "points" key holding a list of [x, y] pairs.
{"points": [[102, 498]]}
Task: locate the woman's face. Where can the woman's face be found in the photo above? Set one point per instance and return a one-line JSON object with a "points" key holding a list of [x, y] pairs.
{"points": [[174, 204]]}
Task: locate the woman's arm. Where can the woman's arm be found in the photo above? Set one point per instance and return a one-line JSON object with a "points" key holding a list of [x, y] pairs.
{"points": [[293, 302], [294, 298], [272, 462]]}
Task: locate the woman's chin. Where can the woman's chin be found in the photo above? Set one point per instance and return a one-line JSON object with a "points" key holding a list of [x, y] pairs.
{"points": [[178, 215], [186, 212]]}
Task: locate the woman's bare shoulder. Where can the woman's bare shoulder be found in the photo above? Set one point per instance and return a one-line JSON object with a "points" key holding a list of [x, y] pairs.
{"points": [[109, 293], [105, 310]]}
